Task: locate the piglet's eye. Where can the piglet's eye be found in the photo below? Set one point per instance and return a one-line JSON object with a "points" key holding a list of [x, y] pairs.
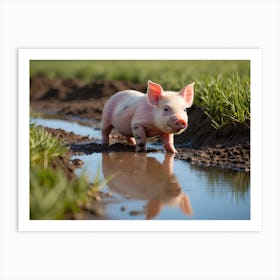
{"points": [[165, 109]]}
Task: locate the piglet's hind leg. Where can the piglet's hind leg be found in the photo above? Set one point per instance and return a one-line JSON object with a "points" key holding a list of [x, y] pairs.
{"points": [[105, 130], [139, 134]]}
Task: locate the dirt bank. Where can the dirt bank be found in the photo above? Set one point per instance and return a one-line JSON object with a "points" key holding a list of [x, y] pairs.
{"points": [[235, 157], [227, 147]]}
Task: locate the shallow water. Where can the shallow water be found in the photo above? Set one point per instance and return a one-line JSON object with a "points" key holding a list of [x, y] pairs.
{"points": [[67, 126], [159, 186]]}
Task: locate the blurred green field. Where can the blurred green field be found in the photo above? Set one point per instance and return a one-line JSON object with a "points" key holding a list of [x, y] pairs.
{"points": [[52, 194], [222, 87], [171, 73]]}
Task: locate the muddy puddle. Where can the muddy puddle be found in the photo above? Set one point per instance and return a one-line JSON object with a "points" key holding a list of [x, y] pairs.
{"points": [[157, 185]]}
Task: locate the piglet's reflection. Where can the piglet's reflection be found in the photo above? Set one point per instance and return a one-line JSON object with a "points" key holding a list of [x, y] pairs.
{"points": [[145, 178]]}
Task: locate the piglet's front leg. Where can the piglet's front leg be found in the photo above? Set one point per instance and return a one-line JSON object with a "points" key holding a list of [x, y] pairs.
{"points": [[139, 134], [168, 142]]}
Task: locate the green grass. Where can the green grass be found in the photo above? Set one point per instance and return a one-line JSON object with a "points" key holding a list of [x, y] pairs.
{"points": [[171, 73], [225, 99], [52, 195], [222, 87], [43, 147]]}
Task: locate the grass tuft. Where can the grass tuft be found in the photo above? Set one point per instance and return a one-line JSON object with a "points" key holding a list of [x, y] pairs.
{"points": [[43, 147], [225, 99]]}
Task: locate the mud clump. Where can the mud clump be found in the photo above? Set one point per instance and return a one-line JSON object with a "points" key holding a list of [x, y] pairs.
{"points": [[235, 157], [89, 148], [67, 138], [65, 165]]}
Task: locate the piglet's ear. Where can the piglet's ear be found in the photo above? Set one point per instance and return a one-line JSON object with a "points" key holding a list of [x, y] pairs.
{"points": [[188, 94], [154, 92]]}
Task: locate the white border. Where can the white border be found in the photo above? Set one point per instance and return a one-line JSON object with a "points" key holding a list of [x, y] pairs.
{"points": [[254, 55]]}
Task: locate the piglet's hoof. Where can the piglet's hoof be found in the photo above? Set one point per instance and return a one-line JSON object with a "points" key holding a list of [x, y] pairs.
{"points": [[141, 148]]}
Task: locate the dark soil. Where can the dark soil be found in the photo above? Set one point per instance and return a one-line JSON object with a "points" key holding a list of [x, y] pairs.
{"points": [[227, 147], [65, 165], [200, 131], [67, 138], [236, 157]]}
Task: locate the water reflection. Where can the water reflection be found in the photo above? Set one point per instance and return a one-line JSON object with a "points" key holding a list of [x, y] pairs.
{"points": [[143, 177], [159, 186], [221, 179]]}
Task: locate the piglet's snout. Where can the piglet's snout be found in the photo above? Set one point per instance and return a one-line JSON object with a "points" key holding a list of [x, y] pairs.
{"points": [[181, 124], [177, 124]]}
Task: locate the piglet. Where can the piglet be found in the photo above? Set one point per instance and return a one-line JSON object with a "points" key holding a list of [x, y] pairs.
{"points": [[138, 116]]}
